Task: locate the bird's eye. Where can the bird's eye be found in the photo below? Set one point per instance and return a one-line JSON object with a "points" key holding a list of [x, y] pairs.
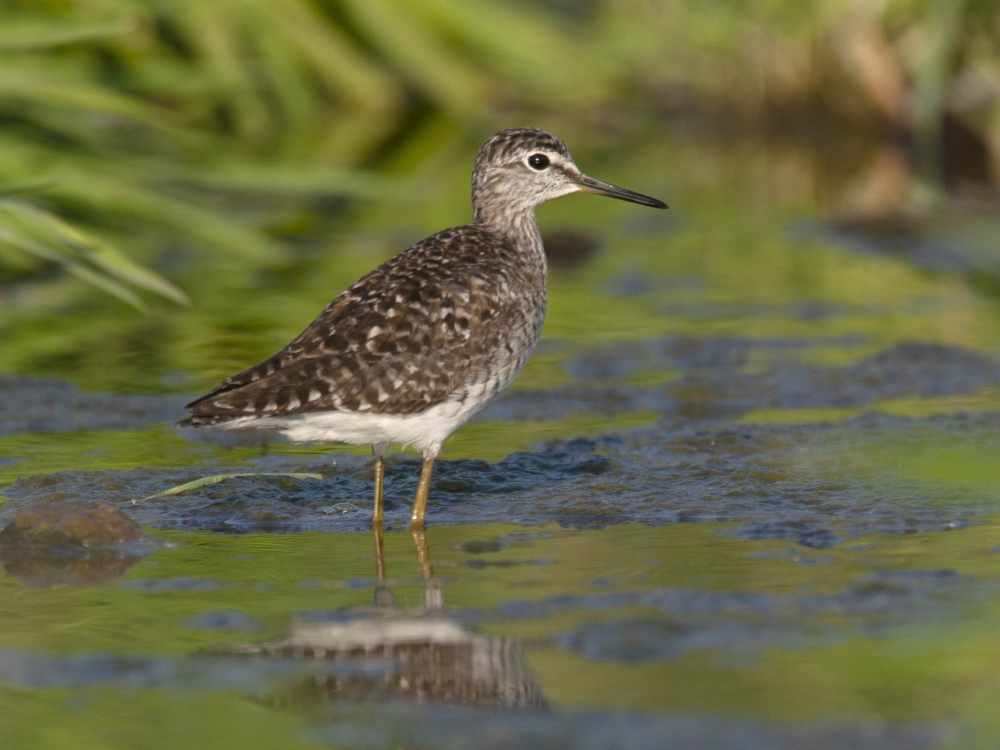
{"points": [[538, 161]]}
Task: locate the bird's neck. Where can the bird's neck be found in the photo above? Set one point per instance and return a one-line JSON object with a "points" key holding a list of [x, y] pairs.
{"points": [[518, 225]]}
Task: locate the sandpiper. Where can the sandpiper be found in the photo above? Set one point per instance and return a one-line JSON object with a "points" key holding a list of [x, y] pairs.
{"points": [[413, 350]]}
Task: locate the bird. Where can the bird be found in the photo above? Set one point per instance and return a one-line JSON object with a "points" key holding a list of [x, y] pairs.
{"points": [[417, 347]]}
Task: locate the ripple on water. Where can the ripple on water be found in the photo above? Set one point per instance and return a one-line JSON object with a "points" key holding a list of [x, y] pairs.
{"points": [[32, 405], [815, 484], [458, 729]]}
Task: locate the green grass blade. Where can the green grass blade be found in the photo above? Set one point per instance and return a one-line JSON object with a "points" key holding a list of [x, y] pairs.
{"points": [[100, 193], [45, 88], [420, 57], [106, 284], [291, 178], [12, 239], [100, 254], [343, 67], [19, 188], [37, 34], [204, 481]]}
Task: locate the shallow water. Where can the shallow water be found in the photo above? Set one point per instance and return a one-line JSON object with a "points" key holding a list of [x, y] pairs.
{"points": [[745, 495]]}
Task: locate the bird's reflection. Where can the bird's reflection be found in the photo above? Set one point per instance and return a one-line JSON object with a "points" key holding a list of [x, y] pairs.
{"points": [[433, 598], [419, 655]]}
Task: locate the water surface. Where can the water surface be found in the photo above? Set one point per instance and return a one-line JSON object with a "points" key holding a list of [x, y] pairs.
{"points": [[744, 495]]}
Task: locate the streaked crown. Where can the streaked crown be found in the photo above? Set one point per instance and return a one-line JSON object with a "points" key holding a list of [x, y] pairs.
{"points": [[519, 168], [516, 170], [511, 146]]}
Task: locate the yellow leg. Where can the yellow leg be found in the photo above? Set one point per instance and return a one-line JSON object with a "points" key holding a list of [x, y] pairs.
{"points": [[433, 597], [379, 553], [423, 554], [420, 503], [379, 488], [383, 596]]}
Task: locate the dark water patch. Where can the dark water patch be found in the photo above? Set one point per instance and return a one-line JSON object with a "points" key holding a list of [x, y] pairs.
{"points": [[793, 555], [32, 406], [738, 625], [459, 729], [481, 564], [800, 531], [165, 585], [479, 546], [684, 353], [899, 238], [499, 543], [634, 640], [655, 224], [805, 310], [262, 503], [715, 384], [559, 403], [34, 670], [903, 597], [907, 370], [814, 484], [631, 283], [568, 249], [222, 619]]}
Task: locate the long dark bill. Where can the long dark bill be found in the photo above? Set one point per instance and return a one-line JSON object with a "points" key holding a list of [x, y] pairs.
{"points": [[590, 185]]}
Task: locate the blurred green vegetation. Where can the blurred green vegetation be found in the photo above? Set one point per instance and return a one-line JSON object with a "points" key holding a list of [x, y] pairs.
{"points": [[137, 132], [169, 126]]}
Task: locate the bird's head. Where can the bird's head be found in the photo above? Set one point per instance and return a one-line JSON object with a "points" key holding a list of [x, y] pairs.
{"points": [[519, 168]]}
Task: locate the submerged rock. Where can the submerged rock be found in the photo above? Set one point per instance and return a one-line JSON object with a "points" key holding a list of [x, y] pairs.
{"points": [[56, 527], [79, 543]]}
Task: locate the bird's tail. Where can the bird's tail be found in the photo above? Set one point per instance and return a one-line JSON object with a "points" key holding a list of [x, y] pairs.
{"points": [[203, 420]]}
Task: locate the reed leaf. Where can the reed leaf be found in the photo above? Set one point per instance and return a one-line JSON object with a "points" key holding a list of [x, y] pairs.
{"points": [[105, 259], [29, 246], [524, 45], [291, 178], [326, 49], [205, 481], [37, 34], [29, 82], [420, 57], [201, 225]]}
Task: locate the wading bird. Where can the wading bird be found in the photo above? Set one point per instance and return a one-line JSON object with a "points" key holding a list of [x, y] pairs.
{"points": [[413, 350]]}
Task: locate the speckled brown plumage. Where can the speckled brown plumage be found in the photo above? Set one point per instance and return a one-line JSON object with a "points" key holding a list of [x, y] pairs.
{"points": [[403, 338], [416, 348]]}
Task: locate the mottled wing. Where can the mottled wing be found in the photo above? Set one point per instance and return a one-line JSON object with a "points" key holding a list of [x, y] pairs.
{"points": [[400, 340]]}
